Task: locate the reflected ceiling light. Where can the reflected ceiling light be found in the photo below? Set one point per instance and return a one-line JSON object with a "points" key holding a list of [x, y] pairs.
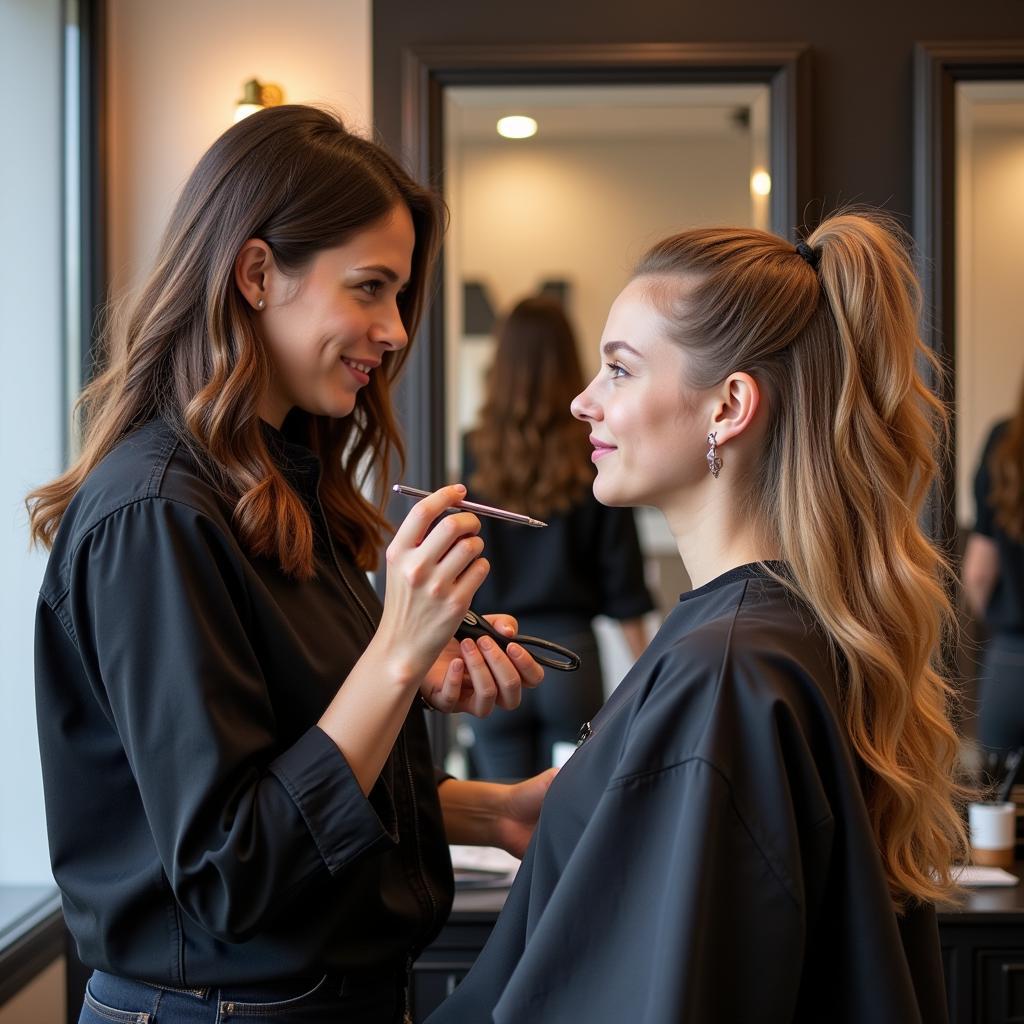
{"points": [[255, 96], [516, 126], [760, 183]]}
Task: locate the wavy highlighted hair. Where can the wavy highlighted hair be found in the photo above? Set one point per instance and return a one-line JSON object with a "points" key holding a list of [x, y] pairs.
{"points": [[848, 462], [185, 348]]}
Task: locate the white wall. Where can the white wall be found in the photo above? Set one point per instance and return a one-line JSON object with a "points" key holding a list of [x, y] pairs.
{"points": [[990, 295], [176, 71], [31, 399], [520, 212]]}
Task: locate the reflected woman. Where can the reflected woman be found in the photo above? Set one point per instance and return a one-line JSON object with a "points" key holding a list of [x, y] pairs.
{"points": [[993, 579], [765, 811]]}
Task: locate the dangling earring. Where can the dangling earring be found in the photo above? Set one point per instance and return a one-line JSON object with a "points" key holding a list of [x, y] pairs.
{"points": [[260, 302], [714, 462]]}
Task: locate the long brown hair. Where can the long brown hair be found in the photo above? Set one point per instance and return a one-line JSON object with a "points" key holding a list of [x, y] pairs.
{"points": [[185, 348], [1006, 467], [847, 464], [530, 453]]}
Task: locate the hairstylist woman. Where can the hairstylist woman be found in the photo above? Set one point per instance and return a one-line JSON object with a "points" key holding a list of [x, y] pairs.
{"points": [[756, 824], [243, 817]]}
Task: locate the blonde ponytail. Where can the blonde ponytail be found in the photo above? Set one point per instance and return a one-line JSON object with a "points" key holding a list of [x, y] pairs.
{"points": [[846, 469]]}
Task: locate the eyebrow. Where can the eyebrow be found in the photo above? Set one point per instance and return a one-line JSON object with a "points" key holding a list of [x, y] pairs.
{"points": [[379, 268], [609, 348]]}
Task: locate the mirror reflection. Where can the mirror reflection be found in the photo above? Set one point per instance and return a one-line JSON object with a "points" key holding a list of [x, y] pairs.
{"points": [[545, 228], [990, 405]]}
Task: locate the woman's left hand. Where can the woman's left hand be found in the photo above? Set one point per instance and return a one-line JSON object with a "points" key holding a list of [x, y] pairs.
{"points": [[521, 809], [476, 675]]}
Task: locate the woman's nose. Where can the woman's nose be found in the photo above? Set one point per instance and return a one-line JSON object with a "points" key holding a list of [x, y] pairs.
{"points": [[582, 407], [390, 330]]}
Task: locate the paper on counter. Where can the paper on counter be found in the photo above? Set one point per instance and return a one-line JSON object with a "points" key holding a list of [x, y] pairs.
{"points": [[977, 876], [483, 864]]}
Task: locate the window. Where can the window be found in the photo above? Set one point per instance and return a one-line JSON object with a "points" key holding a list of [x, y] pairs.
{"points": [[47, 267]]}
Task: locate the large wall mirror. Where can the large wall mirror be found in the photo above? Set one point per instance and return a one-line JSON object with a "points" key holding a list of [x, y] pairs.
{"points": [[567, 211], [630, 144], [969, 223]]}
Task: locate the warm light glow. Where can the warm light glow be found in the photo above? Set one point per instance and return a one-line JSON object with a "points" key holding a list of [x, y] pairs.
{"points": [[517, 126], [245, 109], [760, 183], [256, 95]]}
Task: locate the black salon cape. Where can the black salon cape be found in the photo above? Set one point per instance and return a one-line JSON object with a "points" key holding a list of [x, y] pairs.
{"points": [[705, 855]]}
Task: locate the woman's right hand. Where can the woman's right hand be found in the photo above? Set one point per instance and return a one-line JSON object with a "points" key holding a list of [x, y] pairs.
{"points": [[433, 570]]}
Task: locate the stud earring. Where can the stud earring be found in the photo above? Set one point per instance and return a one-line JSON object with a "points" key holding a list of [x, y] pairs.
{"points": [[714, 462], [260, 303]]}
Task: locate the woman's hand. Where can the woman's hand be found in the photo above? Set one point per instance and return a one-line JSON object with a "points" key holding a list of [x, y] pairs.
{"points": [[477, 675], [522, 804], [492, 813], [433, 570]]}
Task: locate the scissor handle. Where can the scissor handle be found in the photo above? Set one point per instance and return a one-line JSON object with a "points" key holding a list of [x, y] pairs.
{"points": [[474, 626]]}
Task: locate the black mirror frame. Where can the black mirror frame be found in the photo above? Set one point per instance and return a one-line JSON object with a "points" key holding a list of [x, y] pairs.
{"points": [[427, 71], [938, 67]]}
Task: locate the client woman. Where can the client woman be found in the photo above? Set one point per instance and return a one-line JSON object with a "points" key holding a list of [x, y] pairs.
{"points": [[757, 823]]}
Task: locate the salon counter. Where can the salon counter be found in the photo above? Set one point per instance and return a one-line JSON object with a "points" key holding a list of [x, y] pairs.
{"points": [[982, 952]]}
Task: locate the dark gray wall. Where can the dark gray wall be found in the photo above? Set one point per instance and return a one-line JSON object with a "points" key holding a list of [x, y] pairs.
{"points": [[861, 56]]}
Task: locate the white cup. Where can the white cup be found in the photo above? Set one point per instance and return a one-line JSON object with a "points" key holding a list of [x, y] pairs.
{"points": [[993, 829]]}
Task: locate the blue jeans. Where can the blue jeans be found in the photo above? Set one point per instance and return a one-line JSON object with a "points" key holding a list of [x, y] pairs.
{"points": [[347, 1000]]}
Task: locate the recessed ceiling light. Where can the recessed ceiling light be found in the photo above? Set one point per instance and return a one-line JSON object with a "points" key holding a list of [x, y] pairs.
{"points": [[516, 126]]}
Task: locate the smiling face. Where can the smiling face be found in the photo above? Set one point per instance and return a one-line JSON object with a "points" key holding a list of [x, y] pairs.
{"points": [[648, 427], [329, 329]]}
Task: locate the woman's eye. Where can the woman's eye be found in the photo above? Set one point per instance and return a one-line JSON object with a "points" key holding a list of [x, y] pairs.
{"points": [[371, 287], [616, 370]]}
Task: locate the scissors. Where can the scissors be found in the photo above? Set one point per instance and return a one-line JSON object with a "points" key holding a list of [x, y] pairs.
{"points": [[474, 626]]}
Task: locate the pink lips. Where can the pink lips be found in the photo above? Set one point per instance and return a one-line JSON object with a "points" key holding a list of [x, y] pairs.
{"points": [[600, 449]]}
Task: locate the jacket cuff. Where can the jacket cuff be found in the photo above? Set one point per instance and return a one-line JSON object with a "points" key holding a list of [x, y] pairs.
{"points": [[343, 822]]}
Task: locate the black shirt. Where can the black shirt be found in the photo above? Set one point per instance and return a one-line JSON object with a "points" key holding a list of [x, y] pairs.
{"points": [[1005, 611], [706, 854], [585, 562], [202, 829]]}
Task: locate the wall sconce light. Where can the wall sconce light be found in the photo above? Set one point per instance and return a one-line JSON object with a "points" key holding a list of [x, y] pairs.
{"points": [[516, 126], [760, 183], [256, 95]]}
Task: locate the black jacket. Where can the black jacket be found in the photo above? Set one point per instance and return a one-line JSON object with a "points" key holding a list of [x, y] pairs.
{"points": [[202, 829], [706, 856]]}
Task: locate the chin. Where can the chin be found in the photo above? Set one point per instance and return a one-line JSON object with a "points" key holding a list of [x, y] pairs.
{"points": [[339, 408], [608, 494]]}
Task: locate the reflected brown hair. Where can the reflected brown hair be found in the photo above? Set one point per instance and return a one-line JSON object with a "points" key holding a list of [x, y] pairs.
{"points": [[185, 347], [531, 454], [1006, 467], [847, 463]]}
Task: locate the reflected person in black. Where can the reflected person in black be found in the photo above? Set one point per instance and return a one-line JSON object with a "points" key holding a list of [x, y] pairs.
{"points": [[527, 453], [765, 810], [993, 580]]}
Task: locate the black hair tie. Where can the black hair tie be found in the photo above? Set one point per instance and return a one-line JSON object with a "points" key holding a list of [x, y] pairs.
{"points": [[813, 256]]}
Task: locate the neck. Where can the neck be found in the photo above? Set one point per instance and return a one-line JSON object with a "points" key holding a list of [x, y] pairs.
{"points": [[711, 537]]}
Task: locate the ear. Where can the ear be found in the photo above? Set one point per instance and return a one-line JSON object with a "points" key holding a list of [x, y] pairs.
{"points": [[736, 402], [252, 266]]}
